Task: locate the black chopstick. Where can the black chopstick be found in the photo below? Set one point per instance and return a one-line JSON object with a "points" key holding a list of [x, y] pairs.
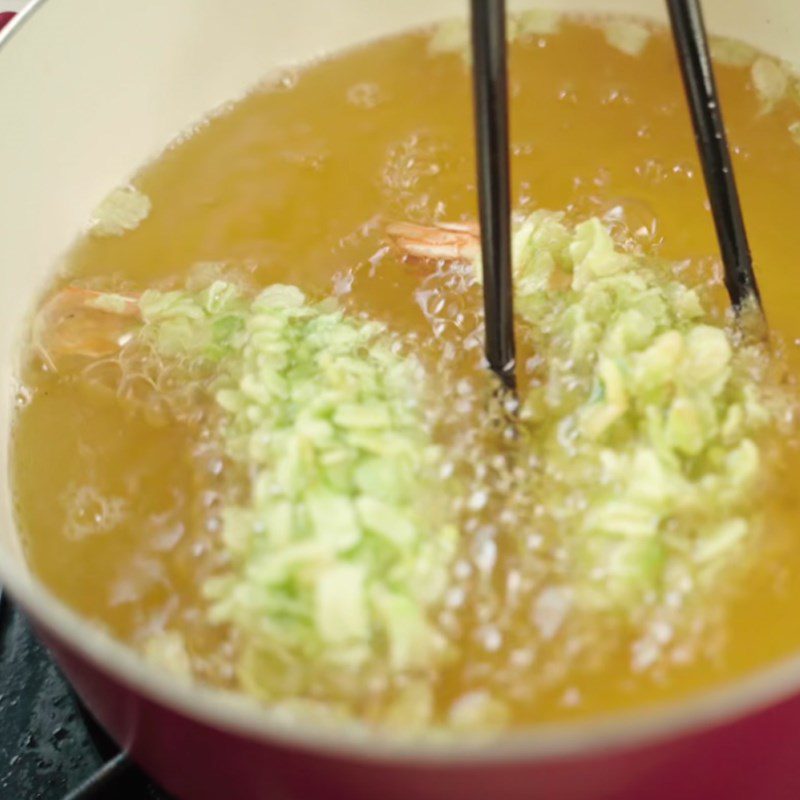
{"points": [[689, 34], [494, 190]]}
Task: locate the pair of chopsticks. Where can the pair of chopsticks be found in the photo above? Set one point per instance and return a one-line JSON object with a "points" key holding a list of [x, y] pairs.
{"points": [[494, 185]]}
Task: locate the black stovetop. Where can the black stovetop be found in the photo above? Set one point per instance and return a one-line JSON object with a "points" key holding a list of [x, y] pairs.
{"points": [[50, 749]]}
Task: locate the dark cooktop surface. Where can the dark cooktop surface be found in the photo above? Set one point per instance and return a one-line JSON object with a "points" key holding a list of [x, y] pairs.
{"points": [[50, 749]]}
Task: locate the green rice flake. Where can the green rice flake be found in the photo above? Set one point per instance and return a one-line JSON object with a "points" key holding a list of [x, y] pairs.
{"points": [[109, 302], [732, 52], [167, 650], [204, 324], [627, 35], [478, 712], [450, 36], [123, 210], [770, 79], [341, 605], [536, 22]]}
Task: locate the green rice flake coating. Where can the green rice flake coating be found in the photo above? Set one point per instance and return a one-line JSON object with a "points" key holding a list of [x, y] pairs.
{"points": [[338, 555], [648, 416]]}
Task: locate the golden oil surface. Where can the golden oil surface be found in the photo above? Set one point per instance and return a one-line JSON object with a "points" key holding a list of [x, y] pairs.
{"points": [[296, 181]]}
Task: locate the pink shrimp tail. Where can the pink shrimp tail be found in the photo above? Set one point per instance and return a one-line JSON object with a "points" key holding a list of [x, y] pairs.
{"points": [[447, 241]]}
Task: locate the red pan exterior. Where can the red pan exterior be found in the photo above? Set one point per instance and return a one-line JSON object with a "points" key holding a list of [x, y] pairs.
{"points": [[756, 756], [5, 18]]}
